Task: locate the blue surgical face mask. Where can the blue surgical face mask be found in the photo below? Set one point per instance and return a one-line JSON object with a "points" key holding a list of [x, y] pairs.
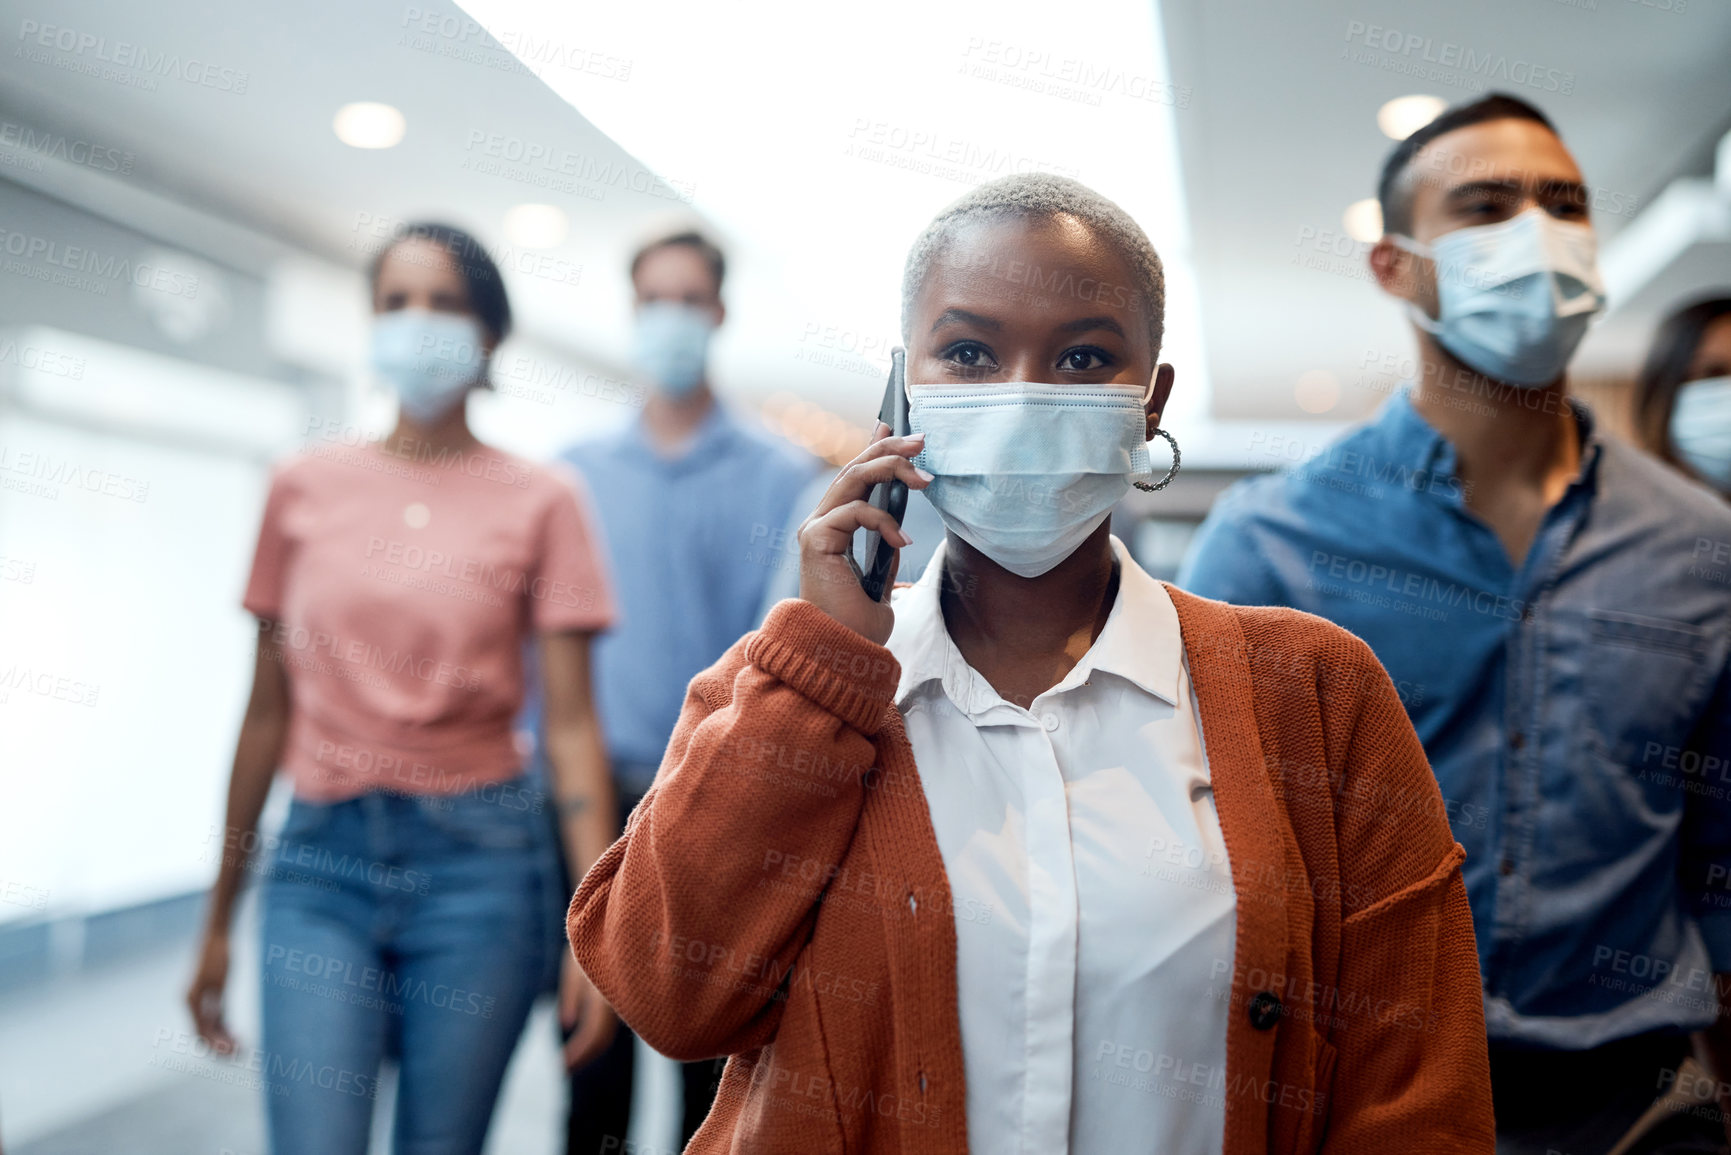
{"points": [[1701, 429], [1513, 298], [1025, 472], [670, 345], [430, 359]]}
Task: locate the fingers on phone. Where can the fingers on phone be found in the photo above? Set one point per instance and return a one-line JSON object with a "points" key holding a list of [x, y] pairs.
{"points": [[833, 532], [857, 478], [868, 516], [902, 470], [884, 468], [908, 446]]}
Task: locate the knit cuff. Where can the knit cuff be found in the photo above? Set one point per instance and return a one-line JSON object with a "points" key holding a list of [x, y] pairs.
{"points": [[836, 668]]}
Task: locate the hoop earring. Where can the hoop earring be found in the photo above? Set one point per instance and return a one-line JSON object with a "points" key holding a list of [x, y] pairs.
{"points": [[1171, 473]]}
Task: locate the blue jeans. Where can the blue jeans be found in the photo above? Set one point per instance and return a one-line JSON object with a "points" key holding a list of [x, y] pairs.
{"points": [[410, 926]]}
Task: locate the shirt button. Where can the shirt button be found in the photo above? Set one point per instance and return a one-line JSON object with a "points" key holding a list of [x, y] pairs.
{"points": [[1506, 867], [1265, 1010], [1050, 721], [1517, 740]]}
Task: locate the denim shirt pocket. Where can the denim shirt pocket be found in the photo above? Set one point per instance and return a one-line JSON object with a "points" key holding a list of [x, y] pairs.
{"points": [[1644, 677]]}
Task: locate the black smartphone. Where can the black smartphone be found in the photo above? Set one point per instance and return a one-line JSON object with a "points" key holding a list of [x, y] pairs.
{"points": [[890, 496]]}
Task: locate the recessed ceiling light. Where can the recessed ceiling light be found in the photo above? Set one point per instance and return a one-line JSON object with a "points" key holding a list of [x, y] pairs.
{"points": [[536, 226], [1317, 391], [1405, 115], [369, 125], [1363, 220]]}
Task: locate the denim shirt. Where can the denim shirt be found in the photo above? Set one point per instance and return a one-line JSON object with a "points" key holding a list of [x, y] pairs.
{"points": [[1576, 707], [689, 540]]}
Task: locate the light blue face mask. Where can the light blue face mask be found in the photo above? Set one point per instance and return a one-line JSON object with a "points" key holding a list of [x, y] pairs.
{"points": [[1024, 472], [1701, 429], [1515, 297], [670, 345], [430, 359]]}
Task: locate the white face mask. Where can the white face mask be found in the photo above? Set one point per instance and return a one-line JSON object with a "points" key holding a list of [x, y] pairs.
{"points": [[1514, 297], [1701, 428], [1025, 472], [670, 344], [430, 359]]}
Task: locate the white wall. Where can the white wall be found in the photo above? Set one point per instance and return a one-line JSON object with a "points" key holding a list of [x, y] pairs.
{"points": [[125, 658]]}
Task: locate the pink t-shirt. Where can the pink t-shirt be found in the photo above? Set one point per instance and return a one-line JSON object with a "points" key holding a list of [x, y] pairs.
{"points": [[403, 588]]}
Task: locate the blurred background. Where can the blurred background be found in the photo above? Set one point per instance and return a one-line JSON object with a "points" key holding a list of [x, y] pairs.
{"points": [[189, 194]]}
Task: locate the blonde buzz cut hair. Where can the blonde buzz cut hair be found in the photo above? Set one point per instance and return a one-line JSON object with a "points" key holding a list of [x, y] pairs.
{"points": [[1042, 196]]}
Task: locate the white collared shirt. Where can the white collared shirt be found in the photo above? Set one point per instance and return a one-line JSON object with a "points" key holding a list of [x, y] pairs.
{"points": [[1095, 916]]}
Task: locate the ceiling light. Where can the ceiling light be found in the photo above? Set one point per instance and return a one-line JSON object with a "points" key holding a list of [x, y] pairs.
{"points": [[1363, 220], [1405, 115], [536, 226], [369, 125], [1317, 391]]}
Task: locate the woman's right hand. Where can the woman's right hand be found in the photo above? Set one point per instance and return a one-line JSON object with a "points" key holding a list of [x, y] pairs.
{"points": [[204, 997], [826, 538], [584, 1013]]}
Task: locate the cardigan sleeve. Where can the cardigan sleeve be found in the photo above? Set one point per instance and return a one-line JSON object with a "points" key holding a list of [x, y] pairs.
{"points": [[680, 924], [1412, 1072]]}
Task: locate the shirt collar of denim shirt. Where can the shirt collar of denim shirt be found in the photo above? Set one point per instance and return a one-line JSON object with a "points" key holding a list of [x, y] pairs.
{"points": [[1415, 439], [710, 439]]}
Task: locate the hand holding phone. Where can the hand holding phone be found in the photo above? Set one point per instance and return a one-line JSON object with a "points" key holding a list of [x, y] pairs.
{"points": [[870, 493]]}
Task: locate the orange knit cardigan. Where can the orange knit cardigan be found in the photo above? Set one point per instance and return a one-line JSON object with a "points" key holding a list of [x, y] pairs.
{"points": [[779, 897]]}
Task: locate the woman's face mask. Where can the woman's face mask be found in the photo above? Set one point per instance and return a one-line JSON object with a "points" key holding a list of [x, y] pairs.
{"points": [[430, 359], [1513, 298], [1024, 472], [1701, 429]]}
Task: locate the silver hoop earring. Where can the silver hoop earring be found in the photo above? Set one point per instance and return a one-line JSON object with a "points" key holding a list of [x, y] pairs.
{"points": [[1171, 473]]}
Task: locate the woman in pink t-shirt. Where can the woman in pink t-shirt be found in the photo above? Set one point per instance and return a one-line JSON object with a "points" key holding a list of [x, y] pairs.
{"points": [[396, 584]]}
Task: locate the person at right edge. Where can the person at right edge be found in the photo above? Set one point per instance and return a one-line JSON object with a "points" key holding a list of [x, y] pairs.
{"points": [[1528, 584], [1040, 855], [1683, 400]]}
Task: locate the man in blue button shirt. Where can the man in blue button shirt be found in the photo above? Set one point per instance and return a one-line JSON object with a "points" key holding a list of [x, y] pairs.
{"points": [[690, 501], [1545, 600]]}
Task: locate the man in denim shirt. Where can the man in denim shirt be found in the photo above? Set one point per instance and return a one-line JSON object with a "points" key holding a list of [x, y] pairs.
{"points": [[1555, 610]]}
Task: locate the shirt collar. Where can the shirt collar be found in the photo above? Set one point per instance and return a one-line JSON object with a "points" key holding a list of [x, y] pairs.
{"points": [[1416, 439], [1139, 643], [710, 436], [1592, 445]]}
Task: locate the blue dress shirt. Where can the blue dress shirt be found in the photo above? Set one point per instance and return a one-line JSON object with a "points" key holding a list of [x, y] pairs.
{"points": [[692, 542], [1576, 707]]}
